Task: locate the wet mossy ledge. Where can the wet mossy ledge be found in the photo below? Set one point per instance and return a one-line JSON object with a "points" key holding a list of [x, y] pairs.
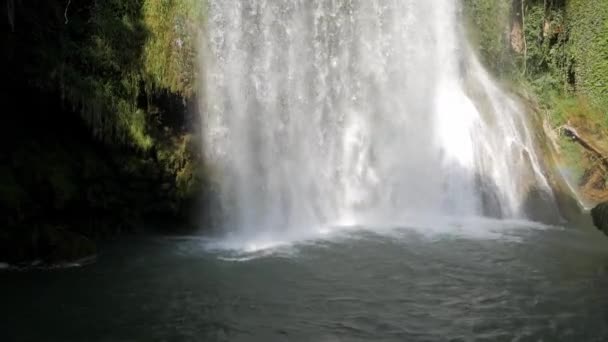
{"points": [[99, 135]]}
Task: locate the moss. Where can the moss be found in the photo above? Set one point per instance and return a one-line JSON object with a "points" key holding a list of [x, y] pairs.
{"points": [[105, 141], [170, 51], [579, 111], [488, 23], [106, 57]]}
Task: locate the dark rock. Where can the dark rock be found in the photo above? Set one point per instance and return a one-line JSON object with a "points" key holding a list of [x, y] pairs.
{"points": [[47, 245], [540, 206], [600, 217], [64, 246]]}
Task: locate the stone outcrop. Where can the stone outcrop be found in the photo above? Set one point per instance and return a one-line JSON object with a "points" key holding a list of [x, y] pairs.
{"points": [[600, 217], [45, 246]]}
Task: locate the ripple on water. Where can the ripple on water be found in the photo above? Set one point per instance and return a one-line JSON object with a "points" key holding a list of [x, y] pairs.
{"points": [[242, 248], [396, 284]]}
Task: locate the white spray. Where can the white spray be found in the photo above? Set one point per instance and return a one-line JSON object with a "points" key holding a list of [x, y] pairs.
{"points": [[342, 112]]}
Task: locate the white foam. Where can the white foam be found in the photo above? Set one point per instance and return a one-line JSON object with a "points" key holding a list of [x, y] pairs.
{"points": [[318, 112], [240, 249]]}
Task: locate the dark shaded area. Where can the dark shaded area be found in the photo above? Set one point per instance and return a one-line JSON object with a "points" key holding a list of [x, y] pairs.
{"points": [[600, 217], [71, 169], [538, 205]]}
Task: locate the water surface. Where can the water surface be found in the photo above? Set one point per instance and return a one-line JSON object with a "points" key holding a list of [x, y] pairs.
{"points": [[482, 281]]}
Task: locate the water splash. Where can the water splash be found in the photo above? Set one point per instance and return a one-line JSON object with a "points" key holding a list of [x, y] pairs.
{"points": [[325, 113]]}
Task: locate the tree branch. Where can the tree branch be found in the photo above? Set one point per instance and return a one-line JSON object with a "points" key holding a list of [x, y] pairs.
{"points": [[587, 144]]}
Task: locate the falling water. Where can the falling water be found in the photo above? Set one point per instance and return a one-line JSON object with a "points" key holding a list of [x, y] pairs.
{"points": [[339, 112]]}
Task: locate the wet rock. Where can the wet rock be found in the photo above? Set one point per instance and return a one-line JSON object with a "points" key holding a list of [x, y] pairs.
{"points": [[540, 206], [64, 246], [46, 245], [600, 217]]}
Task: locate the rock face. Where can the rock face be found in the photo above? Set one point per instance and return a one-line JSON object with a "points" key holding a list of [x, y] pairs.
{"points": [[47, 246], [65, 246], [600, 217]]}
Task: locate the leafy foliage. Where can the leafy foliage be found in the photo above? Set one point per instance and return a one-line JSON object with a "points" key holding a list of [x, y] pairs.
{"points": [[105, 137], [104, 57], [566, 52], [564, 65], [588, 26]]}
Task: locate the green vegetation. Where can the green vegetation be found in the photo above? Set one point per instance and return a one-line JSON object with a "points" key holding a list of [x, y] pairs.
{"points": [[588, 26], [99, 131], [109, 59], [490, 19], [170, 56], [556, 54]]}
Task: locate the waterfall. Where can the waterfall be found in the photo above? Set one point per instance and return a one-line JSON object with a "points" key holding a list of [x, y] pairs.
{"points": [[339, 112]]}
